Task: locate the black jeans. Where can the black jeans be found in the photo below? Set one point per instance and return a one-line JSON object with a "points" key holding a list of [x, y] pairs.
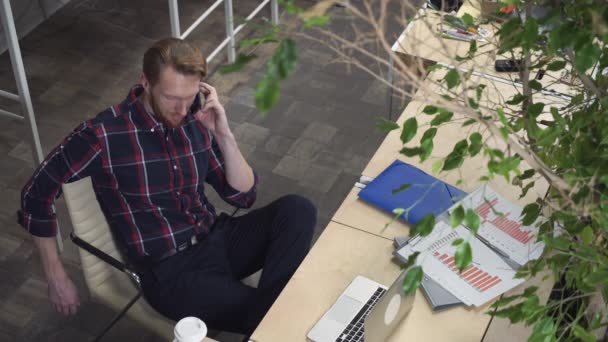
{"points": [[204, 281]]}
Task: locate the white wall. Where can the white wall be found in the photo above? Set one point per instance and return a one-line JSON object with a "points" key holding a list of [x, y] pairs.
{"points": [[28, 14]]}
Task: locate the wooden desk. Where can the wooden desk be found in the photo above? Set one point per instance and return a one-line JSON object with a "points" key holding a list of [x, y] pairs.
{"points": [[365, 217], [340, 254]]}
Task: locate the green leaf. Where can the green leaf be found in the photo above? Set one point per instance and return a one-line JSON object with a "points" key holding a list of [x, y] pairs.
{"points": [[468, 19], [471, 219], [247, 42], [430, 110], [504, 132], [543, 331], [597, 277], [516, 99], [321, 20], [530, 213], [469, 122], [286, 57], [444, 116], [453, 161], [547, 136], [586, 56], [525, 190], [535, 109], [530, 34], [267, 93], [292, 8], [476, 144], [583, 334], [504, 301], [452, 78], [402, 187], [479, 91], [410, 127], [464, 256], [427, 148], [501, 116], [412, 280], [411, 260], [597, 320], [425, 226], [384, 125], [587, 235], [411, 151], [241, 61], [457, 216], [457, 242], [527, 174], [456, 157], [437, 166], [434, 67], [556, 66], [472, 48], [559, 243], [429, 134], [398, 212], [534, 84]]}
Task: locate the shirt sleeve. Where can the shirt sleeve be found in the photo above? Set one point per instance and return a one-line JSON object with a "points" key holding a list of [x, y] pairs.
{"points": [[78, 156], [216, 176]]}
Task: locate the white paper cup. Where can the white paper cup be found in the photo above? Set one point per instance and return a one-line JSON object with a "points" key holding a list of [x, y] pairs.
{"points": [[190, 329]]}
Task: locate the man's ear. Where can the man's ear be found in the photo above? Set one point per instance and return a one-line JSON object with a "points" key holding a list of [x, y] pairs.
{"points": [[143, 80]]}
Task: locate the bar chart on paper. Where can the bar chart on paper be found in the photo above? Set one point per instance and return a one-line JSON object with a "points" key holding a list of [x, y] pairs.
{"points": [[472, 275], [486, 278], [501, 225], [513, 228]]}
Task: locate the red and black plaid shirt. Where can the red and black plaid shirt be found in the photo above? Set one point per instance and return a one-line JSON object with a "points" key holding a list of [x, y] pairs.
{"points": [[149, 179]]}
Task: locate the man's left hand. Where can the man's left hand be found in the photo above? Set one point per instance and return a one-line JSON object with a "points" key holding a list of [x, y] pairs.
{"points": [[213, 115]]}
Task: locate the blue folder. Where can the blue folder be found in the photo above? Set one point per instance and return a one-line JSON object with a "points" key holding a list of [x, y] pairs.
{"points": [[426, 194]]}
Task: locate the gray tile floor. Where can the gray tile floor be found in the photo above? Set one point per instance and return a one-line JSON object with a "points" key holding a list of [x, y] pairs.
{"points": [[315, 142]]}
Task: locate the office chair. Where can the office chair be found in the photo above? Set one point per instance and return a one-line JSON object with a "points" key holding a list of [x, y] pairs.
{"points": [[109, 280]]}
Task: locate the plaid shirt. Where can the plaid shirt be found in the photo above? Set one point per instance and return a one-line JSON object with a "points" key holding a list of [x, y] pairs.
{"points": [[149, 179]]}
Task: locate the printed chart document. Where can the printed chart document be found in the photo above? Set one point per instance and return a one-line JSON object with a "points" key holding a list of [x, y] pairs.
{"points": [[501, 227], [486, 278]]}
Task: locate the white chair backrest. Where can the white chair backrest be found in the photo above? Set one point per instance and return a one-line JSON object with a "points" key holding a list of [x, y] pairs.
{"points": [[90, 225]]}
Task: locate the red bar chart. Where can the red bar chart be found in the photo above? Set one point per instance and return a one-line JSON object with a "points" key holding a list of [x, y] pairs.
{"points": [[510, 227], [473, 275], [484, 209]]}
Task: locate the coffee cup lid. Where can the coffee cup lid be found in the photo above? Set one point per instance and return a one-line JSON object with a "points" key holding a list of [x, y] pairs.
{"points": [[190, 329]]}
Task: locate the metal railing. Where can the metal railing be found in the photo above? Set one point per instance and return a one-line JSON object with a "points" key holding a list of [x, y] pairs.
{"points": [[8, 24], [229, 42]]}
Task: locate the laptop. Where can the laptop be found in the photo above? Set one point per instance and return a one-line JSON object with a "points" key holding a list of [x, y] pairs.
{"points": [[365, 311]]}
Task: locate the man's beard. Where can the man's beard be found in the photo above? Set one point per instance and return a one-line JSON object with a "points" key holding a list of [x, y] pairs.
{"points": [[160, 115]]}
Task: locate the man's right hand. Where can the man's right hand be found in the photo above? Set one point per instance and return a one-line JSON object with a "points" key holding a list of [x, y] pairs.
{"points": [[63, 294], [62, 291]]}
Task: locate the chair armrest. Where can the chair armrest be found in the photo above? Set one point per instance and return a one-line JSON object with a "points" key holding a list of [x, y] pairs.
{"points": [[105, 257]]}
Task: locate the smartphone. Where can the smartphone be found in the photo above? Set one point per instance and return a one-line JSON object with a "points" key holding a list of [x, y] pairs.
{"points": [[507, 65], [202, 99]]}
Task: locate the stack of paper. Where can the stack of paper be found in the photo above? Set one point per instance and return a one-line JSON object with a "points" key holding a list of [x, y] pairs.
{"points": [[501, 246], [486, 278]]}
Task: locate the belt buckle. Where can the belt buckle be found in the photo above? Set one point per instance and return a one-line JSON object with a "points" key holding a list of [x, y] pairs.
{"points": [[182, 247]]}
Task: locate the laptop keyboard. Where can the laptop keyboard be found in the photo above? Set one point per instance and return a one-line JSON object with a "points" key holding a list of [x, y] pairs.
{"points": [[354, 331]]}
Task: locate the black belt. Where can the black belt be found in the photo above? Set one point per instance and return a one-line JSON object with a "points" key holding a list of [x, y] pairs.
{"points": [[151, 261], [194, 240]]}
